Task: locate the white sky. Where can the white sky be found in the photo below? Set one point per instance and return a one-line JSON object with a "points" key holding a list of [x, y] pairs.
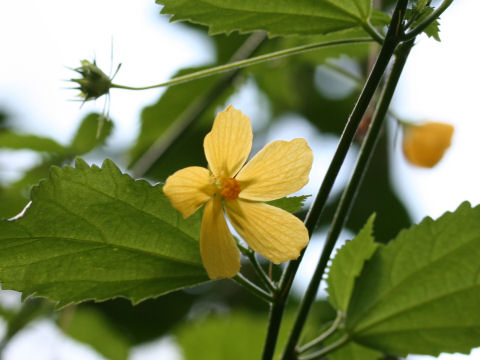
{"points": [[39, 39]]}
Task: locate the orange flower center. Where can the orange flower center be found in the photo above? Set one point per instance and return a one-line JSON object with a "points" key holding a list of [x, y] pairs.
{"points": [[230, 188]]}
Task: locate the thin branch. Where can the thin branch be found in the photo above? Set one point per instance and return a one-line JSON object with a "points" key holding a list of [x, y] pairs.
{"points": [[254, 289], [327, 349], [262, 274], [247, 62], [323, 336], [370, 29]]}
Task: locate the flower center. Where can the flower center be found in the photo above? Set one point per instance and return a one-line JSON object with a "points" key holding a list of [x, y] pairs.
{"points": [[230, 188]]}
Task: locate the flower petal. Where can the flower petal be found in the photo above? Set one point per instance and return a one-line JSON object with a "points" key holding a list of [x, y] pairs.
{"points": [[188, 189], [229, 143], [274, 233], [220, 254], [279, 169], [424, 145]]}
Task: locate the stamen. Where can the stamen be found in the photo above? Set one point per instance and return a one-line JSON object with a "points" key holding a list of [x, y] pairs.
{"points": [[230, 188]]}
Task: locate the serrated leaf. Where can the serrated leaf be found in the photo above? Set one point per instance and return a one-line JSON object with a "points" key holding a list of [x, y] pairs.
{"points": [[291, 204], [348, 264], [284, 17], [11, 140], [421, 293], [95, 233], [90, 327], [92, 132], [431, 30]]}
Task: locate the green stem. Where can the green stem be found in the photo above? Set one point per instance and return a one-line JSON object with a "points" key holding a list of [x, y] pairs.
{"points": [[370, 29], [428, 20], [261, 273], [266, 281], [349, 194], [247, 62], [392, 39], [323, 336], [254, 289], [327, 349], [359, 81]]}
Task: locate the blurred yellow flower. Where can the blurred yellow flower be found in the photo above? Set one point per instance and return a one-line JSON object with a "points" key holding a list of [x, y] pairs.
{"points": [[424, 145], [277, 170]]}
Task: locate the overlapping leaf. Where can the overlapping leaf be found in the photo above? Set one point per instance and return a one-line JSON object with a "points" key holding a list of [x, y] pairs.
{"points": [[347, 265], [277, 17], [15, 141], [95, 233], [421, 293], [90, 327], [291, 204], [354, 351]]}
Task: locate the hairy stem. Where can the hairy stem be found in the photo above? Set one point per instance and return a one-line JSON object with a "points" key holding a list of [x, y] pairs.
{"points": [[247, 62]]}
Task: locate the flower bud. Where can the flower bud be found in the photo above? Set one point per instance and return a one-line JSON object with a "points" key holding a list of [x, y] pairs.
{"points": [[424, 145], [94, 82]]}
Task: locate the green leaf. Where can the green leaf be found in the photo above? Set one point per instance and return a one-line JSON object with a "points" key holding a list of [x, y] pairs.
{"points": [[151, 318], [277, 17], [348, 264], [95, 233], [170, 108], [30, 310], [93, 131], [90, 327], [353, 351], [420, 293], [431, 30], [240, 335], [236, 336], [11, 140], [291, 204], [421, 4]]}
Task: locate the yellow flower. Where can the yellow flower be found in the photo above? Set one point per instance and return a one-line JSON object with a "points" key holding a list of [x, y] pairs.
{"points": [[279, 169], [424, 145]]}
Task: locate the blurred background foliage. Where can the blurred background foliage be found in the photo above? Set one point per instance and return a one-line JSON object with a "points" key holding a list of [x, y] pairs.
{"points": [[320, 87]]}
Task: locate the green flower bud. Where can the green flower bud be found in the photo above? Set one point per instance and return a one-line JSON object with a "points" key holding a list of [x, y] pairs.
{"points": [[94, 82]]}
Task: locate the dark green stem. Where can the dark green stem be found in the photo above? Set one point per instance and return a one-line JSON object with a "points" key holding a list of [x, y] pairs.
{"points": [[395, 32], [349, 194]]}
